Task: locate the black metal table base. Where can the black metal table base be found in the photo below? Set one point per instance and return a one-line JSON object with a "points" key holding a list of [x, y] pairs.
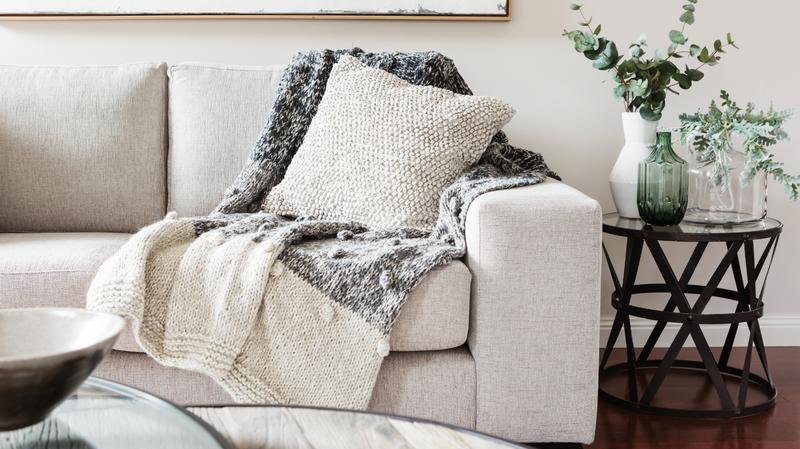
{"points": [[753, 379], [689, 318]]}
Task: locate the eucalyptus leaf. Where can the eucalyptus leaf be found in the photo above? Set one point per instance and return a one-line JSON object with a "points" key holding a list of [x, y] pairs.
{"points": [[677, 37], [703, 55], [585, 42], [595, 54], [629, 65], [638, 88], [667, 68], [575, 7], [730, 41], [694, 50], [689, 8], [642, 40], [649, 115], [572, 35], [597, 30], [609, 57], [682, 80], [671, 48], [687, 17], [695, 75], [659, 55]]}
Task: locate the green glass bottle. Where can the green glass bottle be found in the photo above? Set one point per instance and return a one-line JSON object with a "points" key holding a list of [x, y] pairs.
{"points": [[663, 189]]}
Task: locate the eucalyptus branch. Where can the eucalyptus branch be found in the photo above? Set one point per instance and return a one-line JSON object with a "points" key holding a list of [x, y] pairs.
{"points": [[710, 135], [639, 89], [586, 22]]}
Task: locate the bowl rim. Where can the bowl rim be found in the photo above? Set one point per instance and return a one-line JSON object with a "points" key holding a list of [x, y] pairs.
{"points": [[113, 335]]}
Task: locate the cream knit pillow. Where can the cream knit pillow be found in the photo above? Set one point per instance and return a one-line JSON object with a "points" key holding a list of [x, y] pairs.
{"points": [[380, 150]]}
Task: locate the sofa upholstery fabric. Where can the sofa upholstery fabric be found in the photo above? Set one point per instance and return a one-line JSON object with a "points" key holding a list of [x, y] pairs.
{"points": [[543, 316], [437, 385], [52, 269], [216, 113], [83, 148]]}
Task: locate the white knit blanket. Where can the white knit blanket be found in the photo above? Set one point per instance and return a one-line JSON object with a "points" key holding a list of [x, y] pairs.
{"points": [[228, 308], [284, 310]]}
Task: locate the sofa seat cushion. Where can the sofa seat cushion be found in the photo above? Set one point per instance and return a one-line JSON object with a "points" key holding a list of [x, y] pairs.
{"points": [[55, 270], [52, 269], [435, 385]]}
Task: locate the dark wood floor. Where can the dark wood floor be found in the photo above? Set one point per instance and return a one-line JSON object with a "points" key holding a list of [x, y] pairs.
{"points": [[777, 428]]}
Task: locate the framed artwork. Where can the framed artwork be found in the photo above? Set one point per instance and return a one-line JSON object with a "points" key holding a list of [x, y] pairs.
{"points": [[257, 9]]}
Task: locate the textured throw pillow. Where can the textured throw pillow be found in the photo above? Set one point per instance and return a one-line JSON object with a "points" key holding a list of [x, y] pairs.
{"points": [[380, 151]]}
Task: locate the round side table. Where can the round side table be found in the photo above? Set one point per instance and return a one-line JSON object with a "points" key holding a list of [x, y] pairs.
{"points": [[749, 308]]}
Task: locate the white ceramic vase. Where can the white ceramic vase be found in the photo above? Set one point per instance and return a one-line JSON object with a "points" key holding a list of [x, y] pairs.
{"points": [[639, 133]]}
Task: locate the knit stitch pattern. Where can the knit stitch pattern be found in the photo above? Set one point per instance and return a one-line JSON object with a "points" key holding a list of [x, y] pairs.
{"points": [[292, 310]]}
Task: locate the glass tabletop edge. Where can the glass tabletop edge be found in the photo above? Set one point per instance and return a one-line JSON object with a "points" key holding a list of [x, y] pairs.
{"points": [[119, 387], [489, 437], [676, 233]]}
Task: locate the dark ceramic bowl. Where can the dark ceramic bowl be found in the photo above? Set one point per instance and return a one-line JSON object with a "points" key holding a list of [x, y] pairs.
{"points": [[45, 355]]}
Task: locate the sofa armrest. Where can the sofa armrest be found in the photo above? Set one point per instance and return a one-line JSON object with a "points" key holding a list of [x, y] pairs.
{"points": [[535, 255]]}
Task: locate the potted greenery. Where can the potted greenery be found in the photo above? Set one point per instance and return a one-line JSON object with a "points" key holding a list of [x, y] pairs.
{"points": [[715, 195], [642, 87]]}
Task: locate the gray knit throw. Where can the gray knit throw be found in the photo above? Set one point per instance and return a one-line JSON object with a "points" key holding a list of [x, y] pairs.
{"points": [[371, 272]]}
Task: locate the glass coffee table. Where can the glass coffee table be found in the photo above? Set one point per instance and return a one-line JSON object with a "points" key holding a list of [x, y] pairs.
{"points": [[105, 414]]}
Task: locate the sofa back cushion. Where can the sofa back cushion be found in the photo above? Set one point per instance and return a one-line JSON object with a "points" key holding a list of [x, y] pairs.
{"points": [[82, 148], [216, 114]]}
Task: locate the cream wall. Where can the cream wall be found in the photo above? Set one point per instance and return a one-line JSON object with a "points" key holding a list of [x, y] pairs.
{"points": [[564, 110]]}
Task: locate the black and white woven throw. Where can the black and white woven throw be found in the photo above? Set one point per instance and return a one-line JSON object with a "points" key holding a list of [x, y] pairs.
{"points": [[366, 260], [294, 309]]}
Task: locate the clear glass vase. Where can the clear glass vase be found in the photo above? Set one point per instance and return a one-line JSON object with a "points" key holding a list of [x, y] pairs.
{"points": [[663, 185], [725, 201]]}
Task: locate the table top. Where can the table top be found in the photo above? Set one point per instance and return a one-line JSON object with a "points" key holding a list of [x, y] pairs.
{"points": [[311, 428], [104, 414], [691, 232]]}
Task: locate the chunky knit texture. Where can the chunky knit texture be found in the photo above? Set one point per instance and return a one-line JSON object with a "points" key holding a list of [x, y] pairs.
{"points": [[284, 310], [380, 151]]}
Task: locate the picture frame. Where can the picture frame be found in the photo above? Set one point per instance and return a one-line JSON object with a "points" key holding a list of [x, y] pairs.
{"points": [[256, 9]]}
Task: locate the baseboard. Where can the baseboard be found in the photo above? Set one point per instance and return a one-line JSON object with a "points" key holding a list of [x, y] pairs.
{"points": [[778, 331]]}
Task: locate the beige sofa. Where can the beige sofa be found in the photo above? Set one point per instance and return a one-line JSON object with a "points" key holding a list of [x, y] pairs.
{"points": [[504, 341]]}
